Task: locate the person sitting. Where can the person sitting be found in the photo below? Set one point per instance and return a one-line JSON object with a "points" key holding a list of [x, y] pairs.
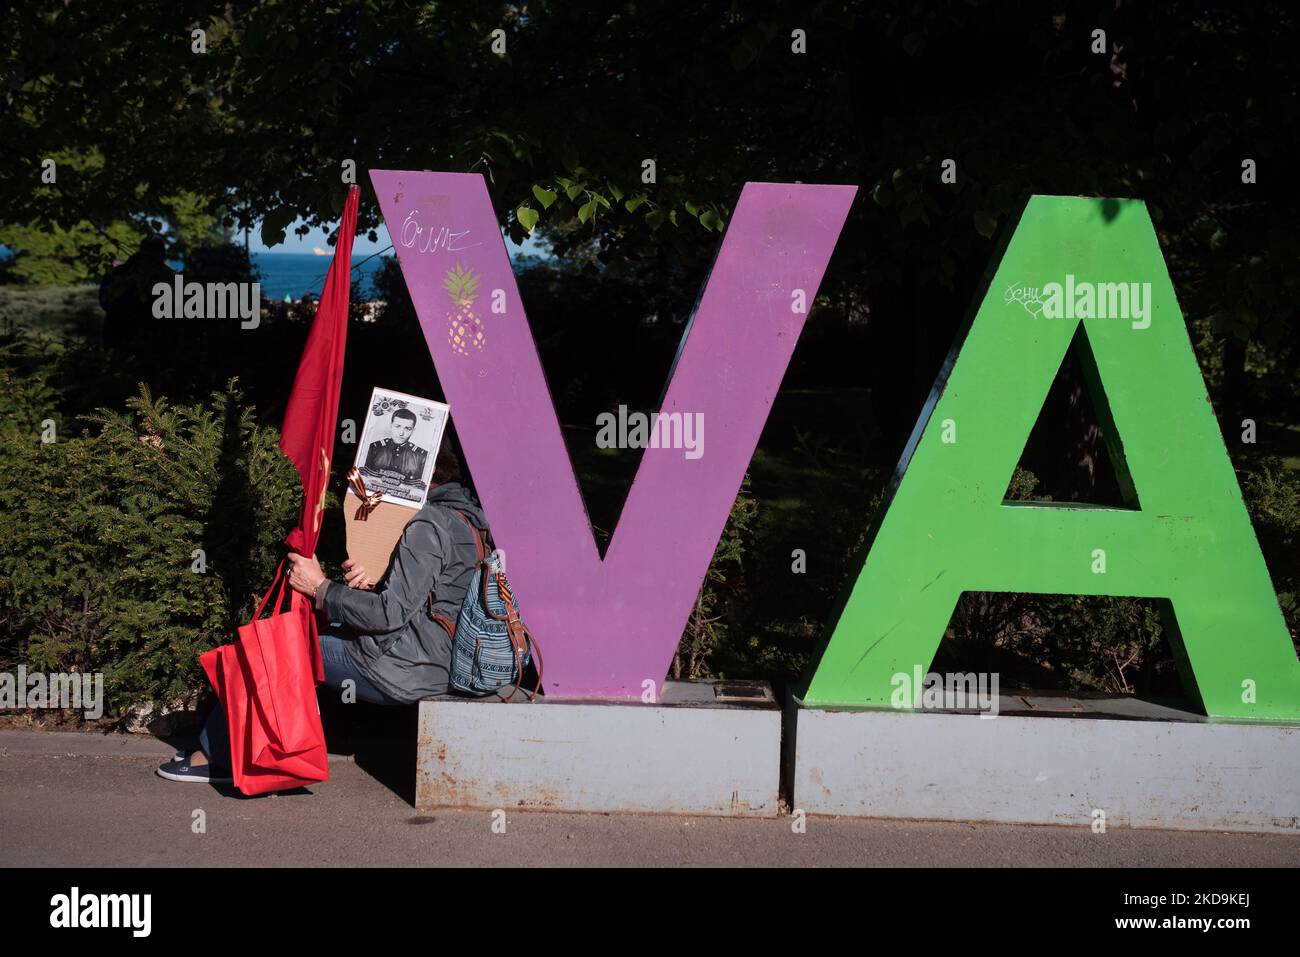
{"points": [[391, 640]]}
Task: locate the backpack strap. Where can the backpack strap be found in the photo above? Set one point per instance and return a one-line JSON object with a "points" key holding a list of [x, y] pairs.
{"points": [[480, 547], [480, 543], [519, 661], [448, 625]]}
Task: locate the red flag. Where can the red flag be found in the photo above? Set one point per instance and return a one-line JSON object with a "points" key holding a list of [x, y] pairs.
{"points": [[309, 421]]}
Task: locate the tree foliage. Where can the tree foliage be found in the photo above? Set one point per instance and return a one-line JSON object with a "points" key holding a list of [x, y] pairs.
{"points": [[564, 120]]}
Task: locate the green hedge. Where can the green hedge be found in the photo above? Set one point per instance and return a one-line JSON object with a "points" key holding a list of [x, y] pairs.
{"points": [[134, 546]]}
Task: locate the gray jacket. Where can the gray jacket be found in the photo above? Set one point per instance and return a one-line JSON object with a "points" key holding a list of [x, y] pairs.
{"points": [[400, 649]]}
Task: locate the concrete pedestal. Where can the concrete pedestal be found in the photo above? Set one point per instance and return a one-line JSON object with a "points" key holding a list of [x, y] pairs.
{"points": [[704, 748], [1047, 761]]}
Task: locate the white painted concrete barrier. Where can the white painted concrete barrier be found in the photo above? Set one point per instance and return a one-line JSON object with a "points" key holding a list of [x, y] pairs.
{"points": [[1074, 769], [704, 748]]}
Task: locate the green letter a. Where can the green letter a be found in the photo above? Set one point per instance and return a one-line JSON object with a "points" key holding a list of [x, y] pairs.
{"points": [[948, 529]]}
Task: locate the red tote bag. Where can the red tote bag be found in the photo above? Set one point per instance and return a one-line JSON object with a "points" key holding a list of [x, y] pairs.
{"points": [[266, 681]]}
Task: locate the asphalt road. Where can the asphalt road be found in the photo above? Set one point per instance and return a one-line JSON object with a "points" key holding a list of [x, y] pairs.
{"points": [[88, 800]]}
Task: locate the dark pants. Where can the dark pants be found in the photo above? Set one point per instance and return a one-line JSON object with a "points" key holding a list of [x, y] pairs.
{"points": [[215, 736]]}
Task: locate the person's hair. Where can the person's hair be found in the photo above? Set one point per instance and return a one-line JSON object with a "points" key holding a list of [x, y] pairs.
{"points": [[404, 414], [447, 466]]}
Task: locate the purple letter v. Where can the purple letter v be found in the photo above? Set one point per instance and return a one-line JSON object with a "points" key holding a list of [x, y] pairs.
{"points": [[605, 627]]}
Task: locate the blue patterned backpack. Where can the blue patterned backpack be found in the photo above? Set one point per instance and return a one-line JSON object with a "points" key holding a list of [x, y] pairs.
{"points": [[491, 647]]}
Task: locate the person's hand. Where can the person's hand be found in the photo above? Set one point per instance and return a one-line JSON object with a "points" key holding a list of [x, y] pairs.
{"points": [[355, 575], [305, 574]]}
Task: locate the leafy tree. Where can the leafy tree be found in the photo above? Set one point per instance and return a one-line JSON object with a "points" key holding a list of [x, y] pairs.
{"points": [[53, 255], [564, 120]]}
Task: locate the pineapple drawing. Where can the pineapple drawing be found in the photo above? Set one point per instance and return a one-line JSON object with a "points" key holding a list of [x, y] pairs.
{"points": [[464, 328]]}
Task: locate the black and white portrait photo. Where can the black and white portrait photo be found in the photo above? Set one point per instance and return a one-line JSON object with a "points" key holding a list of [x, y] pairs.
{"points": [[399, 444]]}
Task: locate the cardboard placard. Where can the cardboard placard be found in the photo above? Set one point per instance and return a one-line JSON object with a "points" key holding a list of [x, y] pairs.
{"points": [[371, 542]]}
